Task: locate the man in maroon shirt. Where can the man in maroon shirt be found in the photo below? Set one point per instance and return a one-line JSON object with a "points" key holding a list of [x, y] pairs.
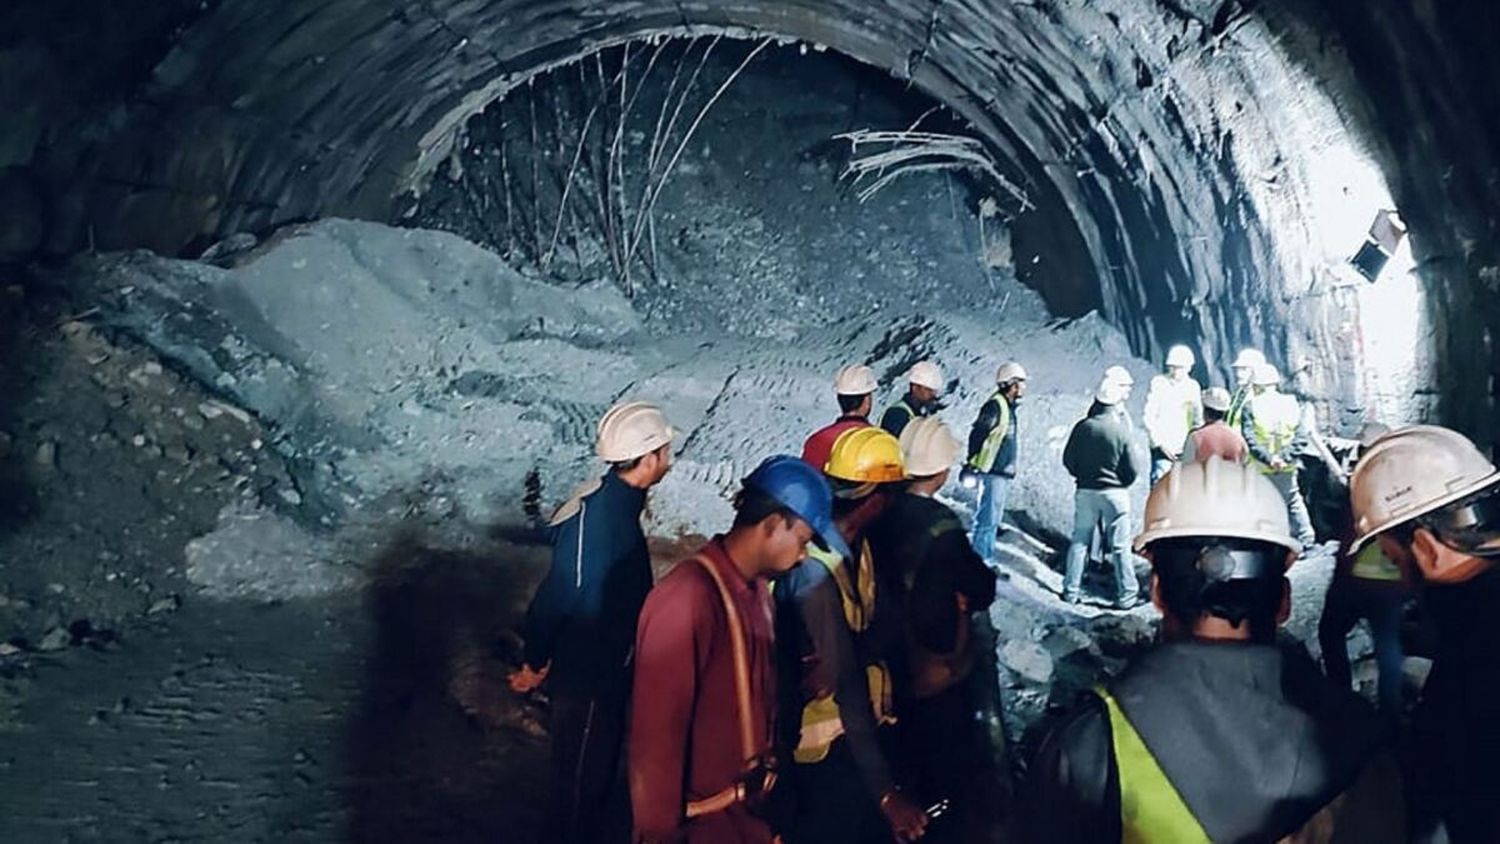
{"points": [[704, 693], [855, 386], [1215, 438]]}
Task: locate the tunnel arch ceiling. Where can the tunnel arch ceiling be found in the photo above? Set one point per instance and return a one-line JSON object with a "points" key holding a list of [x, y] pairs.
{"points": [[1185, 142]]}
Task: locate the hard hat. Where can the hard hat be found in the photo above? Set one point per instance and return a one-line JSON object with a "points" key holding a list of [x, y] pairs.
{"points": [[1109, 392], [1248, 359], [1267, 375], [1180, 356], [1216, 498], [1217, 398], [854, 380], [1010, 371], [803, 490], [866, 456], [1120, 375], [1412, 472], [632, 429], [928, 447], [926, 374]]}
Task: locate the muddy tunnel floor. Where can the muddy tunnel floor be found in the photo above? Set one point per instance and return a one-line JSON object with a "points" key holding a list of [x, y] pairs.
{"points": [[369, 716]]}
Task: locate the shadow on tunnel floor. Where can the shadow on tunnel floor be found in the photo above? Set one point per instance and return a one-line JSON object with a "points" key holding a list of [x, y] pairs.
{"points": [[441, 750]]}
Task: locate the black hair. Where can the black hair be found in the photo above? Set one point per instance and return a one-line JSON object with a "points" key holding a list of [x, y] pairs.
{"points": [[849, 404], [1188, 593], [627, 465], [751, 507], [1212, 415]]}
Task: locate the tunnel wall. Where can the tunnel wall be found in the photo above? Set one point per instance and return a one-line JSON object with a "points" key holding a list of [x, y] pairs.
{"points": [[1172, 137]]}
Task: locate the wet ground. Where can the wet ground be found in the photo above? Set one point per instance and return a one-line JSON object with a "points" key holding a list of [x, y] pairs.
{"points": [[378, 716]]}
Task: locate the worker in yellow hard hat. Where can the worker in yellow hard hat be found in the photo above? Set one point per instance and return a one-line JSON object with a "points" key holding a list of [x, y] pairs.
{"points": [[1218, 734], [839, 644]]}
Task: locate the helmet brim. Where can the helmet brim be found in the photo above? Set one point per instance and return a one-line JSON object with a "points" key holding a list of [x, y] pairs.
{"points": [[1438, 504]]}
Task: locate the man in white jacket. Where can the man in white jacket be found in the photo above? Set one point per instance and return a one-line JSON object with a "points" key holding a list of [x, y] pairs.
{"points": [[1174, 407]]}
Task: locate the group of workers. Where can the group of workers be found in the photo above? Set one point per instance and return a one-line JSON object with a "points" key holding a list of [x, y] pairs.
{"points": [[806, 675]]}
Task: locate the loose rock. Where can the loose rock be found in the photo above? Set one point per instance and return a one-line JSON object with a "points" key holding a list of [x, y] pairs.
{"points": [[56, 639]]}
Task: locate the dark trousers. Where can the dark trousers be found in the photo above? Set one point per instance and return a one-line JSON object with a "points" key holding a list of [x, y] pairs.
{"points": [[944, 751], [1380, 603], [588, 794], [832, 804]]}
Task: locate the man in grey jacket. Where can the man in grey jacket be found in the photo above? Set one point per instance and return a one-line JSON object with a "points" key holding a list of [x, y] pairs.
{"points": [[1099, 457]]}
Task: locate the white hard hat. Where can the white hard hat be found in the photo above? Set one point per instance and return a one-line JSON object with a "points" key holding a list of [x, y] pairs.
{"points": [[1216, 498], [1411, 472], [630, 430], [1109, 392], [1180, 356], [1010, 371], [1371, 432], [854, 380], [928, 447], [1217, 398], [926, 374], [1267, 375], [1119, 375], [1249, 359]]}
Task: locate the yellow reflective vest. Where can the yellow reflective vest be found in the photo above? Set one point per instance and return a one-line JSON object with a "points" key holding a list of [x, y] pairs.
{"points": [[821, 723], [1275, 418], [1151, 810], [984, 460]]}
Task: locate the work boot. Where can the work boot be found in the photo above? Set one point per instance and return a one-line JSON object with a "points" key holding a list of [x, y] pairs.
{"points": [[1127, 603]]}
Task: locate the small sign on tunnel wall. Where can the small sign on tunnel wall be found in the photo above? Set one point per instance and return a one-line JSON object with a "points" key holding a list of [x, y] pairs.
{"points": [[1386, 234]]}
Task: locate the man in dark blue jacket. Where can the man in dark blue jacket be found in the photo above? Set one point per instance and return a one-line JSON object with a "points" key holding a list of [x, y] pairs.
{"points": [[581, 624], [993, 451]]}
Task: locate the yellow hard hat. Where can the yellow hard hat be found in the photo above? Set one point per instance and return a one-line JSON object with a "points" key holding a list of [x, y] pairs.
{"points": [[866, 456]]}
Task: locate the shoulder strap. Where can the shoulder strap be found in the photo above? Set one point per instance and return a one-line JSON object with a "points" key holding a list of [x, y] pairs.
{"points": [[1150, 807], [741, 661]]}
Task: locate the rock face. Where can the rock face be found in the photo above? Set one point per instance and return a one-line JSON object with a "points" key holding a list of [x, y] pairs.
{"points": [[1189, 153]]}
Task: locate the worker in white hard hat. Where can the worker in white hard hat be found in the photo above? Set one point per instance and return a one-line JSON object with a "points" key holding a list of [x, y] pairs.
{"points": [[1271, 423], [1217, 734], [1174, 406], [582, 619], [1120, 375], [994, 450], [920, 544], [1244, 367], [1431, 500], [854, 385], [924, 388], [1102, 462], [1215, 438]]}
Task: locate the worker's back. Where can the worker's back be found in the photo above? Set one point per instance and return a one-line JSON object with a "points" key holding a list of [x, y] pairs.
{"points": [[1222, 741]]}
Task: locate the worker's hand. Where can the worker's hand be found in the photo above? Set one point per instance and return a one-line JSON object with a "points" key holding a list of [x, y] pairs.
{"points": [[1277, 464], [908, 822], [526, 679], [963, 602]]}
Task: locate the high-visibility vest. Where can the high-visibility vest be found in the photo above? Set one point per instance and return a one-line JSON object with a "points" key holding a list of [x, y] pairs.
{"points": [[1371, 563], [984, 461], [821, 723], [1276, 417], [1237, 406], [1151, 810]]}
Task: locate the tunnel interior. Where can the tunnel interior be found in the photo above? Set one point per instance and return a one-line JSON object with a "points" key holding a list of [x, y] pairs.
{"points": [[335, 292]]}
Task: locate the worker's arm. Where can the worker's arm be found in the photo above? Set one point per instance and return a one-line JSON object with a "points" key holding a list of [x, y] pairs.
{"points": [[1152, 413], [557, 596], [822, 612], [1072, 789], [951, 568], [674, 631], [895, 419], [1258, 449], [989, 415], [1070, 451], [1128, 469]]}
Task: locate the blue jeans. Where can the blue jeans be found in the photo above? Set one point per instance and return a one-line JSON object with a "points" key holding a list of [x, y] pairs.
{"points": [[1296, 507], [1109, 511], [1161, 464], [992, 492]]}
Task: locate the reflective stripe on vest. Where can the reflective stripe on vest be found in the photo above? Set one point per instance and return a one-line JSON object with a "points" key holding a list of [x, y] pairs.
{"points": [[1275, 423], [1237, 407], [1371, 563], [984, 461], [1151, 810], [821, 723]]}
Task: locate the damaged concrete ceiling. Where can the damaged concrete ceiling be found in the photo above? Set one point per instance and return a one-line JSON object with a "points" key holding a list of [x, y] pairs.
{"points": [[1184, 145]]}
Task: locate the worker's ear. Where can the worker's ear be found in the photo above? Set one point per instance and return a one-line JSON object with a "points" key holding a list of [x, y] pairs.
{"points": [[1284, 611], [1441, 564]]}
